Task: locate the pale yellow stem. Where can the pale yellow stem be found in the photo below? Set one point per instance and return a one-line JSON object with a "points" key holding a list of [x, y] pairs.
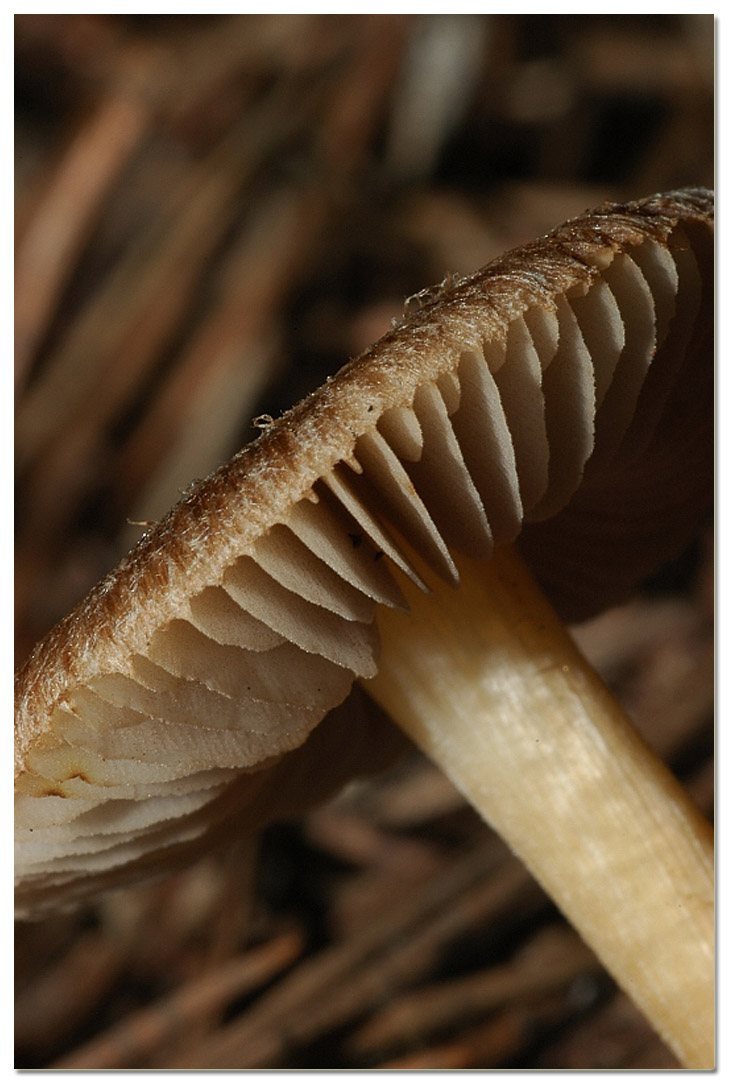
{"points": [[486, 680]]}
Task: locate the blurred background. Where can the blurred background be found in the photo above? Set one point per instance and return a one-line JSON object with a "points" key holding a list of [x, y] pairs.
{"points": [[213, 213]]}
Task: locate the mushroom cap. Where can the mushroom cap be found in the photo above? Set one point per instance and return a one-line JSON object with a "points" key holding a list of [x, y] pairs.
{"points": [[559, 399]]}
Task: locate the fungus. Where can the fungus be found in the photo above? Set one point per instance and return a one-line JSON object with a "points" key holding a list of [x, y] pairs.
{"points": [[546, 421]]}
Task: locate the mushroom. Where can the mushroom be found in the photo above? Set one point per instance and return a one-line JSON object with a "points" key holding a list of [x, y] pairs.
{"points": [[547, 421]]}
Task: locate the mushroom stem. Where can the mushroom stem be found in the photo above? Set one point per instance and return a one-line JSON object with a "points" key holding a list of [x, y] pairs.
{"points": [[487, 681]]}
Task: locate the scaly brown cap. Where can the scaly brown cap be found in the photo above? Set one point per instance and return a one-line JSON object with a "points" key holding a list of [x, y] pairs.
{"points": [[561, 398]]}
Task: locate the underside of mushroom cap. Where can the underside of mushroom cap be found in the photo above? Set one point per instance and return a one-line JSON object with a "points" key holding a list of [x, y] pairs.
{"points": [[561, 398]]}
